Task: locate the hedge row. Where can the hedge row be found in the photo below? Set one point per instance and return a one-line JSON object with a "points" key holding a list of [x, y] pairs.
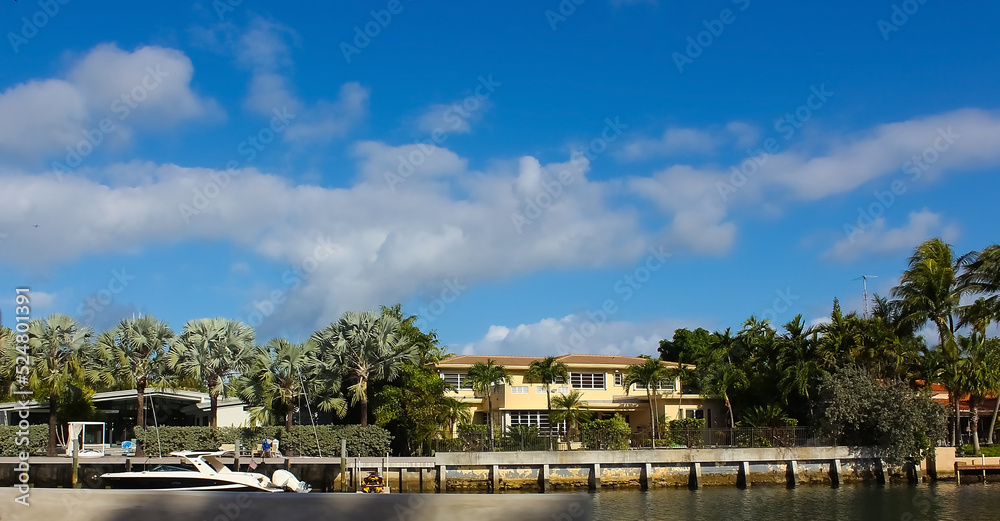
{"points": [[300, 441], [35, 444]]}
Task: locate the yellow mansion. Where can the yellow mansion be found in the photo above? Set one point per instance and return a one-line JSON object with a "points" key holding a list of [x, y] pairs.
{"points": [[598, 377]]}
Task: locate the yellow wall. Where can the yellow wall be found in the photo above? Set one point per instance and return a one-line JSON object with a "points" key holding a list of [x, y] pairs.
{"points": [[609, 399]]}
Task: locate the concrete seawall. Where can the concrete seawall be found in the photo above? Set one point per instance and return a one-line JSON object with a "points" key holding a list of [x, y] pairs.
{"points": [[532, 471]]}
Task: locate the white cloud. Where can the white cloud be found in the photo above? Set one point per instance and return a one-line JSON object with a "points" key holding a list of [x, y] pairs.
{"points": [[880, 239], [451, 118], [700, 200], [365, 245], [263, 48], [575, 334], [148, 88]]}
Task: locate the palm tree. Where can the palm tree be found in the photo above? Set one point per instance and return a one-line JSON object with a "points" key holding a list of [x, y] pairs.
{"points": [[213, 351], [800, 364], [648, 374], [453, 412], [723, 378], [59, 361], [547, 371], [684, 374], [275, 380], [980, 376], [369, 348], [485, 377], [929, 291], [136, 352], [572, 409], [982, 275]]}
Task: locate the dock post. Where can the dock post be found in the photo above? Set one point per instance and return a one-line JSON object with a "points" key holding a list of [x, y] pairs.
{"points": [[646, 477], [402, 475], [880, 471], [743, 475], [495, 478], [420, 472], [343, 465], [958, 475], [543, 478], [792, 474], [595, 476], [128, 464], [442, 478], [694, 479], [835, 473]]}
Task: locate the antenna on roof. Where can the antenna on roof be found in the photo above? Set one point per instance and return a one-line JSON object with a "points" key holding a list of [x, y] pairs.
{"points": [[865, 283]]}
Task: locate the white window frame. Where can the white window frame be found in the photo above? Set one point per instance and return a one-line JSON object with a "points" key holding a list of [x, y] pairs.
{"points": [[588, 380], [519, 389]]}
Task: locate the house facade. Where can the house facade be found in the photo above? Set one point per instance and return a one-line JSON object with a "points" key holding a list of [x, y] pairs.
{"points": [[598, 377]]}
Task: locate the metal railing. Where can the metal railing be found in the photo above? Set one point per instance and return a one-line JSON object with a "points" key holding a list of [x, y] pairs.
{"points": [[745, 437]]}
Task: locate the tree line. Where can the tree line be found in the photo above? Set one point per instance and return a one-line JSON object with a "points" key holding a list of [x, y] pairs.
{"points": [[364, 361], [794, 372]]}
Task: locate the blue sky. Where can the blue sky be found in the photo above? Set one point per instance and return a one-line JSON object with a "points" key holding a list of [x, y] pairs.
{"points": [[528, 177]]}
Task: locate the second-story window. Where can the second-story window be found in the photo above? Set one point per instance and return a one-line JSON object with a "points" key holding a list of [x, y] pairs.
{"points": [[458, 380], [519, 389], [587, 380]]}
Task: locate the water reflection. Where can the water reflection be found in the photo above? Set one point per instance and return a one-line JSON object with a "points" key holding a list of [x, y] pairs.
{"points": [[944, 501]]}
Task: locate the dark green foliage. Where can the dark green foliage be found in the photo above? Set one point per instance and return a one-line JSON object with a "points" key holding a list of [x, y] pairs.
{"points": [[301, 441], [34, 443], [769, 415], [898, 421], [606, 434], [686, 432]]}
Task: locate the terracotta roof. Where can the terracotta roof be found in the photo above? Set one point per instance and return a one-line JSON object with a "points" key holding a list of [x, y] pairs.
{"points": [[525, 361], [507, 361], [604, 360]]}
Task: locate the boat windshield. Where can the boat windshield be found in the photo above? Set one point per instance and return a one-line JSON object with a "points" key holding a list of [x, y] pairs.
{"points": [[169, 468]]}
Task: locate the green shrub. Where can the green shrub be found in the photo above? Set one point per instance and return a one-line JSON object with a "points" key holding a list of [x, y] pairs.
{"points": [[37, 440], [301, 441], [606, 434], [687, 432]]}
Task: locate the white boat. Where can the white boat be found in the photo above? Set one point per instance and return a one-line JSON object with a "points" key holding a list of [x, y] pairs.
{"points": [[209, 473]]}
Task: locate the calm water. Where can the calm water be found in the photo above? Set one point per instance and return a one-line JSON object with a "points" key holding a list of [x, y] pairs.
{"points": [[945, 502]]}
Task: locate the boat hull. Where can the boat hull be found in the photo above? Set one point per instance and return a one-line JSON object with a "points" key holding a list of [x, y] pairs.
{"points": [[153, 482]]}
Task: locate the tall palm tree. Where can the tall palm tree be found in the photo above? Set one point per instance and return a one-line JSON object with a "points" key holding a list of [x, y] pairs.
{"points": [[982, 275], [8, 356], [368, 348], [929, 291], [723, 379], [136, 351], [547, 371], [276, 380], [60, 349], [684, 374], [485, 377], [213, 351], [648, 375], [800, 364], [572, 409]]}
